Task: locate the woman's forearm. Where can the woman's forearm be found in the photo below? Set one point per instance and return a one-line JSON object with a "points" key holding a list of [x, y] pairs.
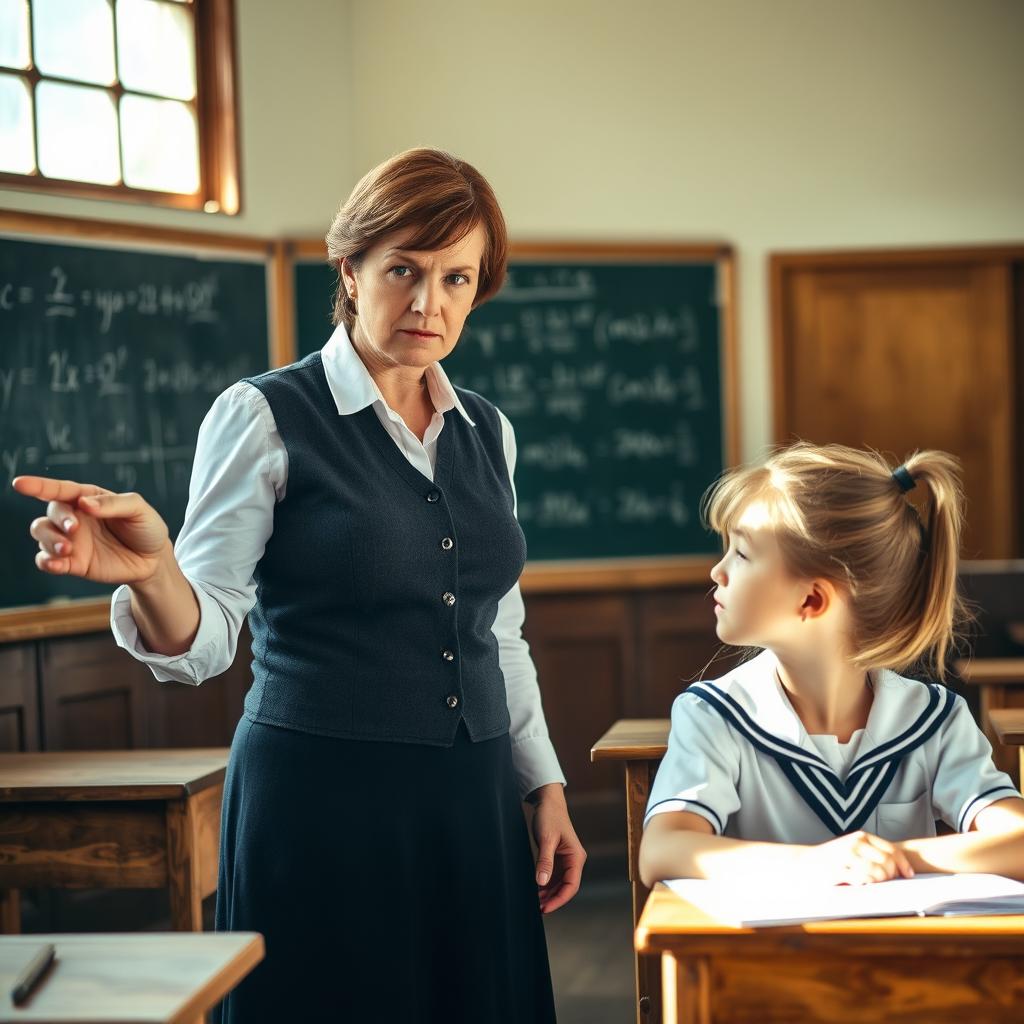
{"points": [[165, 608], [993, 853], [683, 853]]}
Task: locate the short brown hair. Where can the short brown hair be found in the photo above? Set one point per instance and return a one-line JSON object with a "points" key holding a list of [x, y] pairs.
{"points": [[439, 197], [838, 514]]}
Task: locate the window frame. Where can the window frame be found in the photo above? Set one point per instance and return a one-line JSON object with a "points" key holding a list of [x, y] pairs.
{"points": [[216, 107]]}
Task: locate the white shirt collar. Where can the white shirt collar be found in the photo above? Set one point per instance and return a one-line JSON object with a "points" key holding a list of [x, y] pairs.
{"points": [[353, 388], [897, 701]]}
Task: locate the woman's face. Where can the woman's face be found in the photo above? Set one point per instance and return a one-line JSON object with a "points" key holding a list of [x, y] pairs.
{"points": [[411, 304]]}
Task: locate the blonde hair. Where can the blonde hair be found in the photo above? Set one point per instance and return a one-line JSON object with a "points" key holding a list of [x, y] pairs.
{"points": [[839, 514], [436, 195]]}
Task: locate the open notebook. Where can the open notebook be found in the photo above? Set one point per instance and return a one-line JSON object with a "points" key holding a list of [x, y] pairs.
{"points": [[922, 896]]}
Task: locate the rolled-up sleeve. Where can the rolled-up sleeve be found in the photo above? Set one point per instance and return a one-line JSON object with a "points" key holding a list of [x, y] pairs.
{"points": [[533, 754], [238, 474]]}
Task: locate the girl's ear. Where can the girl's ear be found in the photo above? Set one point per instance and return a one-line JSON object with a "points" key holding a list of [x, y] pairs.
{"points": [[818, 600]]}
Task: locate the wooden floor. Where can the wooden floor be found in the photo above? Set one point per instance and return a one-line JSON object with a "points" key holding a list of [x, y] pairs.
{"points": [[591, 955]]}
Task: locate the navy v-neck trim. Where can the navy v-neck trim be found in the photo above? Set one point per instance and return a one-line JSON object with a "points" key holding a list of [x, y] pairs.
{"points": [[842, 805]]}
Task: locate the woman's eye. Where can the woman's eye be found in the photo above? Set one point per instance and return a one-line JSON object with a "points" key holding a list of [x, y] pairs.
{"points": [[398, 271], [740, 553], [463, 278]]}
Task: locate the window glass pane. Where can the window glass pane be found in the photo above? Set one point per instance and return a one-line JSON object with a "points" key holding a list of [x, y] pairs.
{"points": [[14, 50], [161, 144], [74, 39], [77, 133], [156, 48], [16, 126]]}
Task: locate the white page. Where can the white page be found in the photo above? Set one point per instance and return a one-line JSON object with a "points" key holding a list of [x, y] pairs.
{"points": [[759, 905]]}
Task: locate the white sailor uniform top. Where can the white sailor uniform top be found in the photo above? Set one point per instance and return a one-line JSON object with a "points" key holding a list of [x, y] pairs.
{"points": [[739, 756]]}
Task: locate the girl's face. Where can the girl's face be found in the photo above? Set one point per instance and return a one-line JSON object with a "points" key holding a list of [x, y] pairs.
{"points": [[757, 601], [411, 305]]}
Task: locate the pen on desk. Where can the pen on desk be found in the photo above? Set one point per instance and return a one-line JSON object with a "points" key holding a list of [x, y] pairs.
{"points": [[32, 974]]}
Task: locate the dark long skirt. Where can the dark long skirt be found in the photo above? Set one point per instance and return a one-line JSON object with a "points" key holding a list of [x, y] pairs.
{"points": [[391, 882]]}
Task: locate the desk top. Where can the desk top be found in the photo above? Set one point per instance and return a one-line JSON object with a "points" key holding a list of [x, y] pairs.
{"points": [[991, 670], [110, 774], [670, 924], [633, 739], [144, 978], [1008, 724]]}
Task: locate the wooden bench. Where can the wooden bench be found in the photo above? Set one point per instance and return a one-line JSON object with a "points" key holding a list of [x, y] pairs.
{"points": [[910, 969], [1000, 683], [147, 978], [134, 819], [640, 743]]}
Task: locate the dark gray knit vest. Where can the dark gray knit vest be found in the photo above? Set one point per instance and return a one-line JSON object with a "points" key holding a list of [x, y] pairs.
{"points": [[379, 587]]}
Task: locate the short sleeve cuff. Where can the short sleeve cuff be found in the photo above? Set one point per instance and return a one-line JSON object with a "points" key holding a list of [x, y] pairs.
{"points": [[977, 804], [535, 763], [186, 667], [693, 806]]}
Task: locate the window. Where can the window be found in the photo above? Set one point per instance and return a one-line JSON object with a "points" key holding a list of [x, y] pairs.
{"points": [[120, 99]]}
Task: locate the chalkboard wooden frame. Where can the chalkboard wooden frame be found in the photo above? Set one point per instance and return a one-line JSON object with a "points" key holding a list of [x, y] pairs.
{"points": [[610, 573], [93, 614]]}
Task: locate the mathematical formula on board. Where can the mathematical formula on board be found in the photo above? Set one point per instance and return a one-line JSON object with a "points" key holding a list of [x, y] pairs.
{"points": [[610, 376], [109, 361]]}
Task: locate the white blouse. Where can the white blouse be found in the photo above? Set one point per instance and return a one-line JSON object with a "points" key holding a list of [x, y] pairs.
{"points": [[241, 470], [739, 756]]}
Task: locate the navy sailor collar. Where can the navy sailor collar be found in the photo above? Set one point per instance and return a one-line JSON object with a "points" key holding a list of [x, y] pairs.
{"points": [[904, 714]]}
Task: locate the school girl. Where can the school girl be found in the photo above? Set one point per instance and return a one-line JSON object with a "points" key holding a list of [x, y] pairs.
{"points": [[821, 758]]}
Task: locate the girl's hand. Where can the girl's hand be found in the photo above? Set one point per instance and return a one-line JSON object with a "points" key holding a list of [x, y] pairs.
{"points": [[93, 533], [560, 855], [854, 859]]}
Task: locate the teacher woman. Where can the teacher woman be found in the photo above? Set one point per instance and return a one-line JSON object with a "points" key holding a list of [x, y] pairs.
{"points": [[361, 510]]}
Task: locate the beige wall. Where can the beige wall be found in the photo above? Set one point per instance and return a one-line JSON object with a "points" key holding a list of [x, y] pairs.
{"points": [[772, 125]]}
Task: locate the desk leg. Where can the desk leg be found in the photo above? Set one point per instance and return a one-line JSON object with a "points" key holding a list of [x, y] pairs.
{"points": [[10, 912], [183, 867], [646, 969], [685, 989]]}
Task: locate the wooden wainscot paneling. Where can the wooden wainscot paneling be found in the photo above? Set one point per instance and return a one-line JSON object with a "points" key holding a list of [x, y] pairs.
{"points": [[676, 645], [93, 695], [19, 708], [902, 350]]}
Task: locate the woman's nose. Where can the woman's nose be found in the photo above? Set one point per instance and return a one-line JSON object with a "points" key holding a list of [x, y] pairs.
{"points": [[717, 575], [426, 300]]}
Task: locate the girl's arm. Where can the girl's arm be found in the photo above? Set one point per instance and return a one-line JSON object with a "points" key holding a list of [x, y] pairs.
{"points": [[680, 844], [995, 844]]}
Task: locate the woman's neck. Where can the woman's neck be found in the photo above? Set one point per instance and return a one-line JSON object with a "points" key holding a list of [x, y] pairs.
{"points": [[829, 694]]}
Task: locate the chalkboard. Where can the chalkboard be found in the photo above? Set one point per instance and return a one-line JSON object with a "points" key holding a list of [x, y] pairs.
{"points": [[613, 374], [110, 356]]}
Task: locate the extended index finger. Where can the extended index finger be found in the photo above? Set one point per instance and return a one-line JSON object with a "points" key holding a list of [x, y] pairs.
{"points": [[48, 489]]}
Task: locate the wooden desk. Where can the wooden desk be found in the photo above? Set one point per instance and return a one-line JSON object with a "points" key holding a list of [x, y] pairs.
{"points": [[1001, 685], [147, 978], [1008, 725], [641, 744], [137, 819], [923, 970]]}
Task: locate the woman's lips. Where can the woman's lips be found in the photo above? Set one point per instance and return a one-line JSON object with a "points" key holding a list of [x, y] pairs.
{"points": [[419, 334]]}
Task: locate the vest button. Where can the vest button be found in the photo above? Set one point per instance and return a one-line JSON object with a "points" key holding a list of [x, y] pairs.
{"points": [[452, 701], [447, 544], [434, 496], [448, 597], [448, 655]]}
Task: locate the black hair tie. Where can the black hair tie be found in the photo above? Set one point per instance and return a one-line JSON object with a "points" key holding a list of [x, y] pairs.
{"points": [[902, 476]]}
